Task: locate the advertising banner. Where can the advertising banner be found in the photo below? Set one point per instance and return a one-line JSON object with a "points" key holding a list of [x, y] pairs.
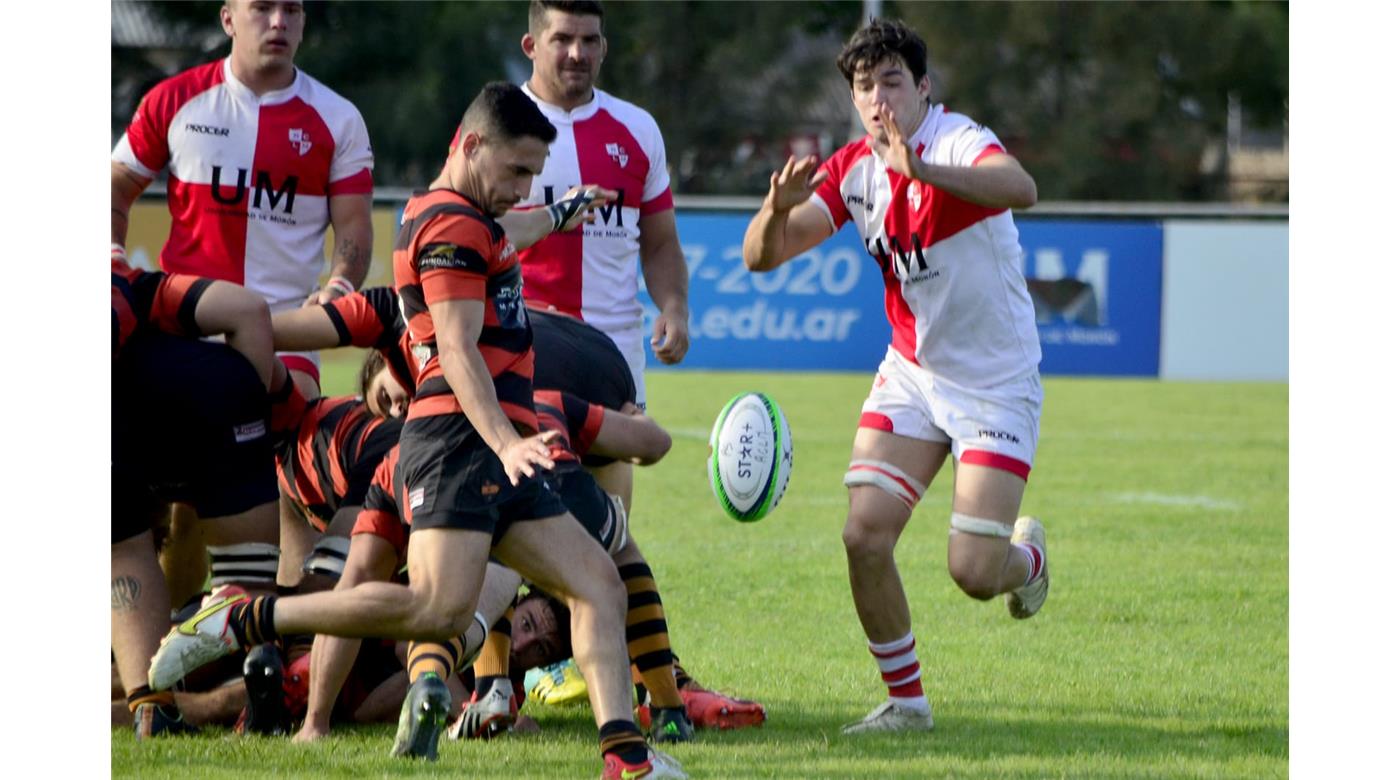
{"points": [[1097, 289]]}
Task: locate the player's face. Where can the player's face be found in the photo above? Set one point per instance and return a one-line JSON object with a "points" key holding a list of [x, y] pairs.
{"points": [[534, 635], [265, 34], [889, 83], [567, 55], [385, 397], [504, 170]]}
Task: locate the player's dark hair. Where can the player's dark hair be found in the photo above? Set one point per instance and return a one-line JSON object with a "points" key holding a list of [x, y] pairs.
{"points": [[881, 40], [539, 10], [502, 111], [374, 363], [561, 621]]}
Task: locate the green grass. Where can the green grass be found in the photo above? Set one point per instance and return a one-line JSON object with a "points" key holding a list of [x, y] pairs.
{"points": [[1162, 651]]}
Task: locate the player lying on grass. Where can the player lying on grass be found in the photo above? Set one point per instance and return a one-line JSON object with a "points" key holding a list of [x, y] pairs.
{"points": [[190, 423]]}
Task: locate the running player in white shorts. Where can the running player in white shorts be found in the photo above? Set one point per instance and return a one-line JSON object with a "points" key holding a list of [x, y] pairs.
{"points": [[930, 192]]}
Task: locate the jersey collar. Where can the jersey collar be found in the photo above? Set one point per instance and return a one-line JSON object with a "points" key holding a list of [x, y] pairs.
{"points": [[557, 114], [244, 92]]}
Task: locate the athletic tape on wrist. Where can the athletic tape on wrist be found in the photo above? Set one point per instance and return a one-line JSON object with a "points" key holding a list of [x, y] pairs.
{"points": [[561, 211], [978, 526], [340, 283]]}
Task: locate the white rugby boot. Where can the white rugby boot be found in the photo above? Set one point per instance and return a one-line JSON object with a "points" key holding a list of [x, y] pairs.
{"points": [[1026, 600], [890, 716]]}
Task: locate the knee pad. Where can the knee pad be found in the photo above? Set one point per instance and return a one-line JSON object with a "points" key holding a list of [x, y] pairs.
{"points": [[251, 562], [977, 526], [327, 557], [886, 477], [618, 517]]}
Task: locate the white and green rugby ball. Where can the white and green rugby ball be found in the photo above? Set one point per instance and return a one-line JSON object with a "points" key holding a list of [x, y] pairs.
{"points": [[750, 456]]}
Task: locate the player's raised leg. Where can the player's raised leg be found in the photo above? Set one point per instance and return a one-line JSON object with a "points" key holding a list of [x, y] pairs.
{"points": [[990, 551], [887, 477]]}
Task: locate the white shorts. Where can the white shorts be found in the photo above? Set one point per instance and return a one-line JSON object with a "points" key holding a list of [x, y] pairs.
{"points": [[630, 343], [997, 426]]}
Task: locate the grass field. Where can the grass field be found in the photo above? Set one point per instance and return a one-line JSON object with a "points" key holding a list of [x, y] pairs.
{"points": [[1162, 651]]}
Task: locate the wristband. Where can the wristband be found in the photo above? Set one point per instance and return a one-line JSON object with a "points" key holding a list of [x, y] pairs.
{"points": [[340, 283], [118, 252]]}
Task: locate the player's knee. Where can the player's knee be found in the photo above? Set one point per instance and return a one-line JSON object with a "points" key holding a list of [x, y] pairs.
{"points": [[975, 578], [435, 619], [865, 537]]}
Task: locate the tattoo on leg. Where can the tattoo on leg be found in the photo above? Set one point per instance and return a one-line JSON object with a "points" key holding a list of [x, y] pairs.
{"points": [[126, 590]]}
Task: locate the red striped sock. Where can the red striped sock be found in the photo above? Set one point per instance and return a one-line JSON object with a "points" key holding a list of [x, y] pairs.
{"points": [[1035, 560], [899, 668]]}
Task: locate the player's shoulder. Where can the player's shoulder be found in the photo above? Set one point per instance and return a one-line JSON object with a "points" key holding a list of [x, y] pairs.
{"points": [[950, 123], [444, 216], [171, 93], [637, 119], [327, 102], [846, 157]]}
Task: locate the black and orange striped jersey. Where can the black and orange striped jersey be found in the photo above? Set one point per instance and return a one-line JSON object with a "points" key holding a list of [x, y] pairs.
{"points": [[371, 319], [448, 249], [153, 299], [379, 514], [575, 420], [332, 460]]}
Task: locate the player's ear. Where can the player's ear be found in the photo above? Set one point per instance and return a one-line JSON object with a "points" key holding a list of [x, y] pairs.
{"points": [[527, 45], [925, 86], [603, 52], [226, 19]]}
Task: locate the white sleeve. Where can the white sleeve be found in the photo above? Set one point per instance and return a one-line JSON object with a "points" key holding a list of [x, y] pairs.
{"points": [[658, 178], [966, 142], [352, 149]]}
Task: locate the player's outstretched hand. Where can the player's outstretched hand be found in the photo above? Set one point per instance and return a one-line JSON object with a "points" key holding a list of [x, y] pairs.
{"points": [[578, 206], [895, 150], [795, 183], [670, 337], [521, 456]]}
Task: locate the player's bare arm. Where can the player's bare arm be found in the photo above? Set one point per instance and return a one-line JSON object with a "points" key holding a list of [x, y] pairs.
{"points": [[663, 267], [787, 224], [304, 329], [524, 227], [127, 186], [635, 438], [997, 181], [354, 244], [458, 325]]}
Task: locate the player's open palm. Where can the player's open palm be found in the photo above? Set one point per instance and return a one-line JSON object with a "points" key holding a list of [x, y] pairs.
{"points": [[795, 183], [521, 457], [895, 151]]}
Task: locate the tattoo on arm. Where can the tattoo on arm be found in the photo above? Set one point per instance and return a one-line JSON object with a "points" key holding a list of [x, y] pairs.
{"points": [[126, 591], [355, 258]]}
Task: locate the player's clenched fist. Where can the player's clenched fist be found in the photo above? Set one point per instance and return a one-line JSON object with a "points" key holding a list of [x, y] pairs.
{"points": [[795, 183]]}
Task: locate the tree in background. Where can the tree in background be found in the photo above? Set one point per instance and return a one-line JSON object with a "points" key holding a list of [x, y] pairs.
{"points": [[1101, 101]]}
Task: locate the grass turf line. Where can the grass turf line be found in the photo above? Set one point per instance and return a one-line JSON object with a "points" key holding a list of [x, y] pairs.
{"points": [[1162, 651]]}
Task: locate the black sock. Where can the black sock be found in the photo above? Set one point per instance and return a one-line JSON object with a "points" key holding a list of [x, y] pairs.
{"points": [[624, 739]]}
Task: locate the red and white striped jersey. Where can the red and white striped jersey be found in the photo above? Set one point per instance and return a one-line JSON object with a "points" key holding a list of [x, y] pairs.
{"points": [[250, 176], [955, 294], [591, 271]]}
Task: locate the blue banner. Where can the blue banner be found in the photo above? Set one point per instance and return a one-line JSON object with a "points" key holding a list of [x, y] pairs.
{"points": [[1096, 286]]}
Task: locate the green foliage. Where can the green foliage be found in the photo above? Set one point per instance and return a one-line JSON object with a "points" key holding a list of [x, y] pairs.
{"points": [[1162, 651], [1099, 100]]}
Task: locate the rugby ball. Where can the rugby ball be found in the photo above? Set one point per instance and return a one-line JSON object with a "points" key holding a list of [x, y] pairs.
{"points": [[750, 456]]}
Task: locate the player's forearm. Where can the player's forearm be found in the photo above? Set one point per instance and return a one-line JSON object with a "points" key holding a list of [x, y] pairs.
{"points": [[765, 239], [353, 248], [993, 186], [524, 227], [667, 280], [332, 658], [126, 188], [470, 379]]}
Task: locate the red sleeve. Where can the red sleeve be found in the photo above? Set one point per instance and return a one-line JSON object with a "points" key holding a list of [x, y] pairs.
{"points": [[172, 307], [369, 318], [379, 515], [585, 420], [659, 203]]}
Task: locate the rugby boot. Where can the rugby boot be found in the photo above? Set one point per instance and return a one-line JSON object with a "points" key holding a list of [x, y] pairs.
{"points": [[562, 683], [657, 765], [487, 716], [263, 676], [711, 710], [205, 637], [153, 720], [670, 724], [423, 718], [890, 716], [1026, 600]]}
